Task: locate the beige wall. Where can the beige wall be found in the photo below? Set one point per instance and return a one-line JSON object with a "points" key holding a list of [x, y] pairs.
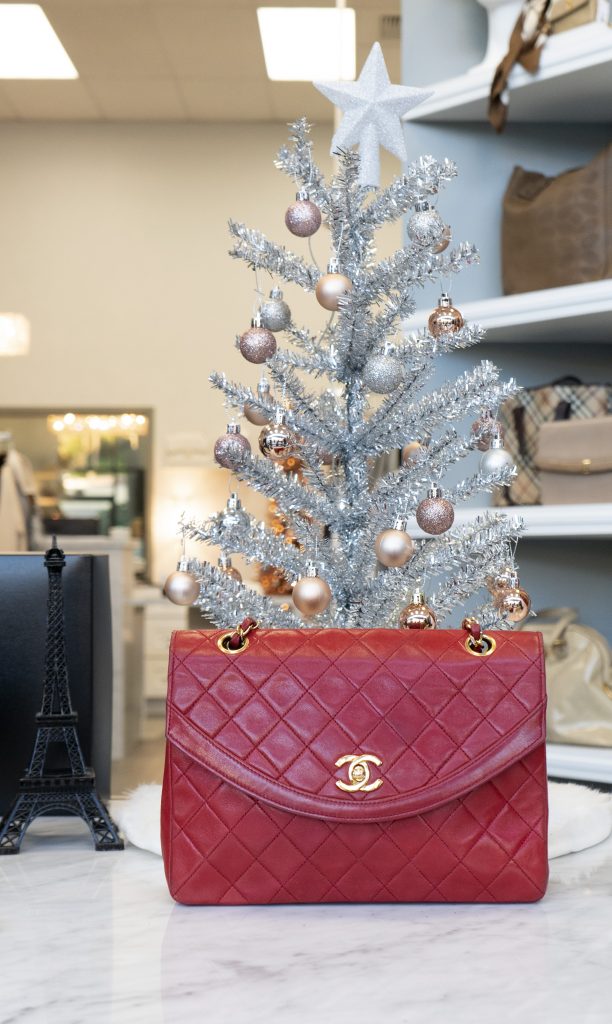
{"points": [[114, 244]]}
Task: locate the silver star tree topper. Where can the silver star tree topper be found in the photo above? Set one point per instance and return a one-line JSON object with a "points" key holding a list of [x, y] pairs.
{"points": [[372, 109]]}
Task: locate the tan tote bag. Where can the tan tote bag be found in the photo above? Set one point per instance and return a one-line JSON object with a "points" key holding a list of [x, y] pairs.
{"points": [[578, 679]]}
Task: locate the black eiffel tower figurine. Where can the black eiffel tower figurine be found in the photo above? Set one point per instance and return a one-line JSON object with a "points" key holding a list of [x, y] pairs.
{"points": [[42, 790]]}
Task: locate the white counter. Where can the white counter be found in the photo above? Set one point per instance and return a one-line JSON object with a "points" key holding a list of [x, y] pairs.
{"points": [[92, 937]]}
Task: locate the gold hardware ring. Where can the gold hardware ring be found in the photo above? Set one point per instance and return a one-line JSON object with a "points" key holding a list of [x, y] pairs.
{"points": [[243, 634], [480, 648]]}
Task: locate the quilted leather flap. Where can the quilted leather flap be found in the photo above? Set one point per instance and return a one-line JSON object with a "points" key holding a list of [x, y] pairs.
{"points": [[274, 719]]}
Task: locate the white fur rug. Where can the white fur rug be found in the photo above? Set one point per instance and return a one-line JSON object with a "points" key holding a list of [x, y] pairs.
{"points": [[579, 817]]}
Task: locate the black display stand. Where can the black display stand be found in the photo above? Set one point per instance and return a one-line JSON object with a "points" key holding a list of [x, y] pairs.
{"points": [[71, 790]]}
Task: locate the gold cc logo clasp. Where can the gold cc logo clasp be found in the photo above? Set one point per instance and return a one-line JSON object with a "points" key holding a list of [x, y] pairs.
{"points": [[359, 773]]}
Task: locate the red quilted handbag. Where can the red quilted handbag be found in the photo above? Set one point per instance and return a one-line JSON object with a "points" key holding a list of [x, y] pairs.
{"points": [[360, 765]]}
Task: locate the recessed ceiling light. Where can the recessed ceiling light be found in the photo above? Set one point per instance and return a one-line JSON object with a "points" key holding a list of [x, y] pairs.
{"points": [[29, 47], [304, 43]]}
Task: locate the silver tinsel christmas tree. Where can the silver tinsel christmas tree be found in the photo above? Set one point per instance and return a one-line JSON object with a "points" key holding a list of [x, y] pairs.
{"points": [[356, 553]]}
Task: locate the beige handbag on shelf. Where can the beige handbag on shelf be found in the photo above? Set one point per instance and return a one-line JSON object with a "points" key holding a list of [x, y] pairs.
{"points": [[574, 461], [567, 14], [578, 679], [557, 231]]}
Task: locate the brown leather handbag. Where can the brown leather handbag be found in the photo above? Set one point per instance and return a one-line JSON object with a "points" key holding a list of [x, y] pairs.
{"points": [[558, 231]]}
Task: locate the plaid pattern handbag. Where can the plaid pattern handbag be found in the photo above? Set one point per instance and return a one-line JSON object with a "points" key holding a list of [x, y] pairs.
{"points": [[521, 418]]}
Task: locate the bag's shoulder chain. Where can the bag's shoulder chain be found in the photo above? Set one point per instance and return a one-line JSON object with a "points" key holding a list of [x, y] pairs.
{"points": [[476, 642]]}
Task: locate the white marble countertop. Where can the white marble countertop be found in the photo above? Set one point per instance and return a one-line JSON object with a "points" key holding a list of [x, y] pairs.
{"points": [[88, 937]]}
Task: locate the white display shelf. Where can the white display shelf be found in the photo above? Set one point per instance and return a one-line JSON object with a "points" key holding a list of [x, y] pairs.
{"points": [[577, 313], [591, 764], [577, 521], [572, 84]]}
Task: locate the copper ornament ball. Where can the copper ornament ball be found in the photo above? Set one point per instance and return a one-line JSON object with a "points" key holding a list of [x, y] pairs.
{"points": [[257, 344], [484, 428], [303, 217], [444, 242], [417, 614], [331, 288], [394, 547], [500, 582], [275, 441], [514, 604], [311, 595], [445, 319], [181, 588]]}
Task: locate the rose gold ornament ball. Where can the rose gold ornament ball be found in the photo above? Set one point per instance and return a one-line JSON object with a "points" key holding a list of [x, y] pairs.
{"points": [[444, 242], [435, 515], [303, 218], [514, 604], [444, 320], [233, 573], [311, 595], [257, 344], [181, 588], [486, 427], [394, 548], [331, 288], [499, 582], [253, 415], [417, 616], [230, 450]]}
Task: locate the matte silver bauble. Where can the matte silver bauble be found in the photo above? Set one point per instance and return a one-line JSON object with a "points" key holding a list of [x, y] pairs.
{"points": [[425, 226], [303, 217], [231, 448], [383, 373], [435, 514], [445, 319], [332, 287], [181, 587], [394, 547], [258, 343], [417, 614], [275, 313], [311, 594], [496, 459]]}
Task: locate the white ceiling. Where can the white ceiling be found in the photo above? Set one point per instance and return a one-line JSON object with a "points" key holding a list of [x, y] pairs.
{"points": [[176, 60]]}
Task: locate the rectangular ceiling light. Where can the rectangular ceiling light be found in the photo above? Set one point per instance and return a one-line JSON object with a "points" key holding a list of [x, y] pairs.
{"points": [[302, 44], [29, 47]]}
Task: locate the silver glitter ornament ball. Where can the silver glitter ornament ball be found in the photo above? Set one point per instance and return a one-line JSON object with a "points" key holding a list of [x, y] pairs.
{"points": [[383, 373], [426, 227], [275, 313], [435, 514], [181, 587], [231, 448], [258, 343], [303, 217]]}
